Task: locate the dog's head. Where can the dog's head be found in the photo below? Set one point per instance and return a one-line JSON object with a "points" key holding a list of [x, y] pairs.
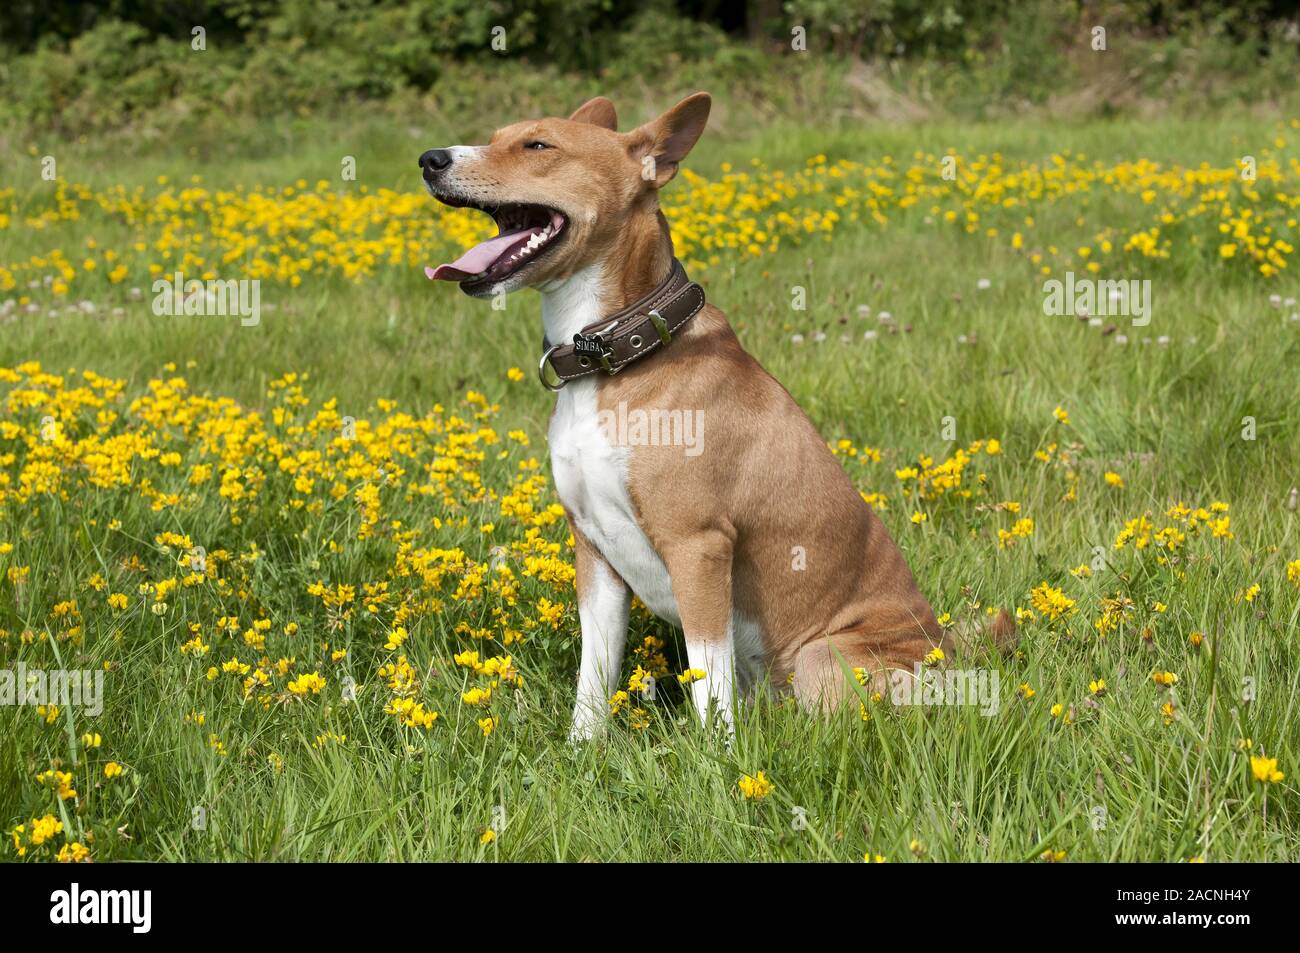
{"points": [[565, 193]]}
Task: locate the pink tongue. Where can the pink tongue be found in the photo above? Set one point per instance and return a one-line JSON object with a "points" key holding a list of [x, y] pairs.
{"points": [[479, 258]]}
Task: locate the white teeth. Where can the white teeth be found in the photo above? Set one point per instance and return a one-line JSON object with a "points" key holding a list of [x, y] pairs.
{"points": [[535, 241]]}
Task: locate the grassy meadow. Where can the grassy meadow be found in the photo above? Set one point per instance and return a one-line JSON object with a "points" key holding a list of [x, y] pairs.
{"points": [[322, 566]]}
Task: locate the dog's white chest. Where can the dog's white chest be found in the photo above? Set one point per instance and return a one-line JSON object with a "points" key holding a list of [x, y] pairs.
{"points": [[591, 479]]}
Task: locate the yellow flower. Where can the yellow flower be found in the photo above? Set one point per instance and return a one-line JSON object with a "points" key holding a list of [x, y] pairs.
{"points": [[1114, 479], [1021, 529], [488, 836], [410, 713], [1052, 602], [73, 853], [1062, 415], [234, 666], [40, 831], [1265, 769], [195, 647], [549, 613], [60, 780], [515, 374], [1293, 572], [755, 788], [1058, 709], [303, 684], [117, 601], [112, 769], [467, 659]]}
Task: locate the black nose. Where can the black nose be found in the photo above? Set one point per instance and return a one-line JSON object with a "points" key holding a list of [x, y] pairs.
{"points": [[435, 160]]}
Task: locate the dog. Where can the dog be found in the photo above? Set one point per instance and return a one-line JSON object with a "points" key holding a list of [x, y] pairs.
{"points": [[758, 547]]}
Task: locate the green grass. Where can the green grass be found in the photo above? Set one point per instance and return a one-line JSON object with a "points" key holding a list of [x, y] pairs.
{"points": [[1167, 417]]}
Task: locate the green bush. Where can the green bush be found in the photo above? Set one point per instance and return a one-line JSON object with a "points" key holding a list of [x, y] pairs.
{"points": [[128, 62]]}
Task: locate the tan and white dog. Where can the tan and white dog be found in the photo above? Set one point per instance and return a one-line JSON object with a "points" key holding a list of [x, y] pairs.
{"points": [[759, 547]]}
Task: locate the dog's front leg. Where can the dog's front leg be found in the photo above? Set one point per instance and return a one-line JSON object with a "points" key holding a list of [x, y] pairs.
{"points": [[604, 601], [700, 567]]}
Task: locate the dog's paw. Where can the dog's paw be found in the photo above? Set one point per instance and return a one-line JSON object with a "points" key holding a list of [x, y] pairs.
{"points": [[584, 730]]}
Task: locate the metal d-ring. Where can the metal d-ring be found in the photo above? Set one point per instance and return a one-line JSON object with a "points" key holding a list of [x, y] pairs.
{"points": [[541, 371]]}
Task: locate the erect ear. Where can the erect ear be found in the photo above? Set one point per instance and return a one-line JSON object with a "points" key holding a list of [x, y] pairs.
{"points": [[661, 144], [597, 112]]}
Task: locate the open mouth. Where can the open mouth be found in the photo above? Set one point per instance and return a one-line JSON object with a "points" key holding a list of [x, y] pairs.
{"points": [[526, 232]]}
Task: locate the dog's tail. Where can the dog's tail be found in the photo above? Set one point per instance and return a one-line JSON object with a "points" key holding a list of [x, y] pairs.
{"points": [[974, 637]]}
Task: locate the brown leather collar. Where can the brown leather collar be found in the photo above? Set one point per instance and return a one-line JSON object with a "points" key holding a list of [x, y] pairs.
{"points": [[617, 340]]}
